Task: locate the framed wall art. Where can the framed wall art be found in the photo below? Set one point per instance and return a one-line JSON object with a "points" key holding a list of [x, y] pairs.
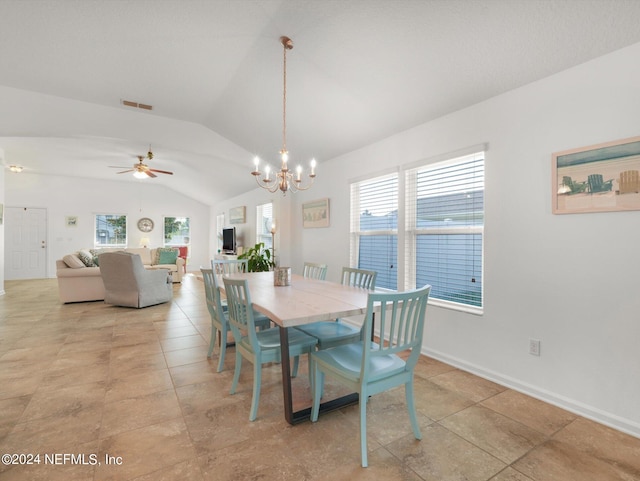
{"points": [[237, 215], [598, 178], [315, 214], [71, 221]]}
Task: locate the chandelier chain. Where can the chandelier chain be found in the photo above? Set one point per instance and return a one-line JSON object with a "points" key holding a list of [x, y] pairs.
{"points": [[284, 100]]}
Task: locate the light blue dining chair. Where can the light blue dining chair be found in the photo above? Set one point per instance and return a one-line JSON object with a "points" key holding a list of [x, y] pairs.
{"points": [[335, 333], [359, 277], [230, 266], [218, 314], [370, 368], [313, 270], [258, 347]]}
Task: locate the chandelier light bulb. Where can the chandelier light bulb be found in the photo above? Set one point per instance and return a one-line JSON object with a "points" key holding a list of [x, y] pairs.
{"points": [[267, 169], [256, 161]]}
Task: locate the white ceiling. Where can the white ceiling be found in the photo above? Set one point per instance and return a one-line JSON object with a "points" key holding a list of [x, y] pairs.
{"points": [[361, 70]]}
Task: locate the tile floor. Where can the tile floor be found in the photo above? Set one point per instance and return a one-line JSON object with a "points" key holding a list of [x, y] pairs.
{"points": [[133, 392]]}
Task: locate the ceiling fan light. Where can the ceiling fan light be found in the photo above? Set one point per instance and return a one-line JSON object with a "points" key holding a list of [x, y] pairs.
{"points": [[140, 175], [15, 168]]}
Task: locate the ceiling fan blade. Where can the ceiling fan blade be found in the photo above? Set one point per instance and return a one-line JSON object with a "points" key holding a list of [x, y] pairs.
{"points": [[161, 171], [117, 167], [124, 171], [149, 173]]}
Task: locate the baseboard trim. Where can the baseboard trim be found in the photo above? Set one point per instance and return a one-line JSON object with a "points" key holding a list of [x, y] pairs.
{"points": [[608, 419]]}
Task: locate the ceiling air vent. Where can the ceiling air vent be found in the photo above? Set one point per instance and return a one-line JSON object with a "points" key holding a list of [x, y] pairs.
{"points": [[136, 105]]}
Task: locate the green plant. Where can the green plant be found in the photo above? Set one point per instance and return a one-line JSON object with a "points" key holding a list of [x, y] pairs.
{"points": [[171, 226], [258, 258]]}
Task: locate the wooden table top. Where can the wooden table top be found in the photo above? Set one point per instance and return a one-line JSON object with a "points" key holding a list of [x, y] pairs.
{"points": [[304, 301]]}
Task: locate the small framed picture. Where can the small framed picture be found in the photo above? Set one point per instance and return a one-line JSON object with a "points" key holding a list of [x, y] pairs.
{"points": [[237, 215], [315, 214], [71, 221]]}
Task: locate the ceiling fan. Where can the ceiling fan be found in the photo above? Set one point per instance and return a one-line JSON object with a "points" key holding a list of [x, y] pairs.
{"points": [[142, 170]]}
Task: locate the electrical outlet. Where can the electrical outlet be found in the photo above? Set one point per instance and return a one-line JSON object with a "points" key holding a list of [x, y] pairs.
{"points": [[534, 347]]}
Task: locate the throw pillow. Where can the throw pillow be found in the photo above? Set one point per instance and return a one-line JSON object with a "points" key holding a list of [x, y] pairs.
{"points": [[95, 253], [168, 257], [159, 251], [73, 261], [86, 257]]}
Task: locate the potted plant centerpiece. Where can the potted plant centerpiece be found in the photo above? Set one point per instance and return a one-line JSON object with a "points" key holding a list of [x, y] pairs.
{"points": [[258, 258]]}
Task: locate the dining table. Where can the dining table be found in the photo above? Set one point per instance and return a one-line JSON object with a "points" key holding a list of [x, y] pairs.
{"points": [[302, 301]]}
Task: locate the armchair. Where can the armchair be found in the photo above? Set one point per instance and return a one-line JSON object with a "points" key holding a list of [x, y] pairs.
{"points": [[127, 283]]}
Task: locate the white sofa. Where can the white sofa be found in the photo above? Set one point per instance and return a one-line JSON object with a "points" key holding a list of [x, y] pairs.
{"points": [[78, 283]]}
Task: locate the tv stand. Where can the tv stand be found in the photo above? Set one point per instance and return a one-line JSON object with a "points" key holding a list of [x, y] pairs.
{"points": [[224, 256]]}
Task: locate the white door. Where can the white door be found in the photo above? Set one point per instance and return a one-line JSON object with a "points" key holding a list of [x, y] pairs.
{"points": [[25, 249]]}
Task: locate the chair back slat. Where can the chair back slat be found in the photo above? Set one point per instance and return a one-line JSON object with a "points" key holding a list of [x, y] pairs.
{"points": [[240, 310], [359, 278], [313, 270], [214, 303], [401, 319], [229, 266]]}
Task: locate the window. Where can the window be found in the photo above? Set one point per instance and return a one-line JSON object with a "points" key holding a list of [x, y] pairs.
{"points": [[177, 231], [444, 229], [219, 227], [374, 228], [111, 230], [429, 220], [264, 221]]}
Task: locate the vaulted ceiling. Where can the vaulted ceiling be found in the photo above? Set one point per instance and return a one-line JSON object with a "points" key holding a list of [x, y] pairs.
{"points": [[360, 71]]}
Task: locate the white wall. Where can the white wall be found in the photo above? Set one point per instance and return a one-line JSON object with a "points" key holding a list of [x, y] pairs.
{"points": [[568, 280], [246, 233], [84, 198]]}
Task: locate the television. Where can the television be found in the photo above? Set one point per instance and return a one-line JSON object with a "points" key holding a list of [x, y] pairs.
{"points": [[229, 240]]}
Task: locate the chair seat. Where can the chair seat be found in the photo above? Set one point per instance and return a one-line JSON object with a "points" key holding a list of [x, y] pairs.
{"points": [[269, 340], [347, 359], [331, 333]]}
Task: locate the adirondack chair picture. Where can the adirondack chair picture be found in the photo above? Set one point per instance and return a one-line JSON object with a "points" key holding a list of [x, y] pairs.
{"points": [[574, 187], [629, 182], [597, 184], [596, 178]]}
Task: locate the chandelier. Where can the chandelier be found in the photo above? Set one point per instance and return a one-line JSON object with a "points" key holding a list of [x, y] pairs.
{"points": [[284, 179]]}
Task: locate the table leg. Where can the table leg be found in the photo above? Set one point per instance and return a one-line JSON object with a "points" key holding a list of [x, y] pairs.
{"points": [[304, 414], [286, 375]]}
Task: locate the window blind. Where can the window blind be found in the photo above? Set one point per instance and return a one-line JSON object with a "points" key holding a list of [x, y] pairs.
{"points": [[264, 218], [444, 229], [374, 228]]}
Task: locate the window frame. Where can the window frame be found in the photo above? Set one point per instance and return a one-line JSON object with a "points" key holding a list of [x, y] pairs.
{"points": [[407, 230], [412, 231], [220, 224], [178, 244], [263, 233], [95, 231], [356, 233]]}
